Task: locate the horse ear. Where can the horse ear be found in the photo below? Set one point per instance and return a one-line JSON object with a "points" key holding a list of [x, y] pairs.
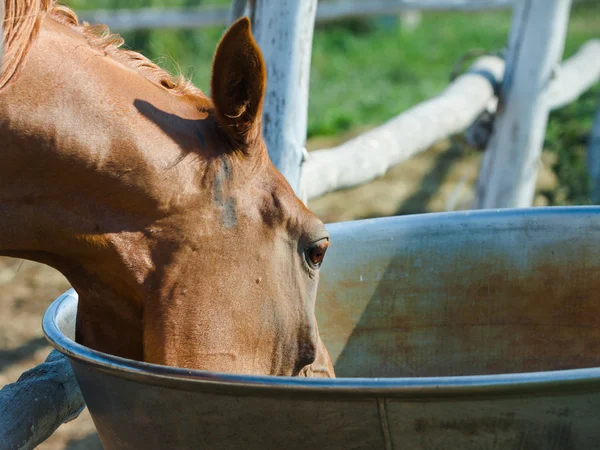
{"points": [[238, 83]]}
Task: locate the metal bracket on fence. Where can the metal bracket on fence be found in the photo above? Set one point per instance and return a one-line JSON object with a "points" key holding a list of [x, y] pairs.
{"points": [[478, 134], [304, 155]]}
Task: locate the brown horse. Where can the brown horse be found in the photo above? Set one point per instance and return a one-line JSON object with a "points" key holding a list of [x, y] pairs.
{"points": [[160, 205]]}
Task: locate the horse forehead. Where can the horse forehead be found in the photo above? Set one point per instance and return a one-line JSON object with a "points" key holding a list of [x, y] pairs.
{"points": [[277, 201]]}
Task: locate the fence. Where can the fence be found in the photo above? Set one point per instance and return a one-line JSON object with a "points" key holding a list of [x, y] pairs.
{"points": [[519, 92], [144, 18], [507, 177], [510, 163]]}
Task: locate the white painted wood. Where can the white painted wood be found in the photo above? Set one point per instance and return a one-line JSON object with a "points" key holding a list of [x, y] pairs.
{"points": [[371, 154], [594, 158], [239, 8], [510, 163], [284, 32], [158, 18], [410, 20], [331, 169], [576, 75], [143, 18], [41, 400]]}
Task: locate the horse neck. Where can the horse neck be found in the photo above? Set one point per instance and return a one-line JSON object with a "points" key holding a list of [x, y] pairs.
{"points": [[76, 190]]}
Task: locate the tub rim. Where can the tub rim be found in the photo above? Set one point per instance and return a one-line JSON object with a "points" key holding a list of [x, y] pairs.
{"points": [[511, 384]]}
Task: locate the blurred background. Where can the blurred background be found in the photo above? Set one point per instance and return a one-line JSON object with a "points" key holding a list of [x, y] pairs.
{"points": [[364, 71]]}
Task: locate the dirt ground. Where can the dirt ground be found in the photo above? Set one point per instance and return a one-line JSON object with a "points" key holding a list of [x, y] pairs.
{"points": [[26, 290], [438, 180]]}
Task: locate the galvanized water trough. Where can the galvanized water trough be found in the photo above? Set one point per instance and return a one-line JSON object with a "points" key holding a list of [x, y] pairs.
{"points": [[466, 330]]}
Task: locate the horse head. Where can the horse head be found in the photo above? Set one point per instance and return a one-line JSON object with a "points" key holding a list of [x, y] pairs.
{"points": [[161, 206], [251, 251]]}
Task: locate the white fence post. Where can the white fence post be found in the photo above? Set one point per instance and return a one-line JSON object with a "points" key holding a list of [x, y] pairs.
{"points": [[239, 8], [284, 32], [510, 164], [219, 15], [594, 158]]}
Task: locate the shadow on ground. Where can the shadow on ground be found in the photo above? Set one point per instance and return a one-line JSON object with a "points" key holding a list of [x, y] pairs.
{"points": [[89, 442]]}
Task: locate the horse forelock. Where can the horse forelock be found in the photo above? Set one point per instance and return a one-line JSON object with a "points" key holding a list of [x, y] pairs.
{"points": [[22, 21]]}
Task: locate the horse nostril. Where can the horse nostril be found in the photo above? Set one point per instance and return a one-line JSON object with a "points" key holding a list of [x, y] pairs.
{"points": [[303, 362], [306, 355]]}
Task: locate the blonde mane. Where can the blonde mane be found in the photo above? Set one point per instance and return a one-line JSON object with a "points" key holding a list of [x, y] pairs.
{"points": [[22, 21]]}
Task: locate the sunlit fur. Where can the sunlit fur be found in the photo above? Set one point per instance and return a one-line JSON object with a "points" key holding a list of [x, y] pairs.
{"points": [[22, 24], [161, 206]]}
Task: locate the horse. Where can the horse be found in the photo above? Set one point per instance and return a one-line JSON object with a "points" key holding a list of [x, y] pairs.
{"points": [[159, 204]]}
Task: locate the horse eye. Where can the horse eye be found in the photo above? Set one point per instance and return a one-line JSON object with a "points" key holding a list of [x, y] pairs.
{"points": [[316, 253]]}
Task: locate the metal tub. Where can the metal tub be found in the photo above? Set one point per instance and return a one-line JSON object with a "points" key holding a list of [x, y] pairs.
{"points": [[462, 331]]}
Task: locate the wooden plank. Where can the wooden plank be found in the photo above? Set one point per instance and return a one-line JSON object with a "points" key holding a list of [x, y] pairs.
{"points": [[158, 18], [510, 164], [41, 400], [239, 8], [339, 10], [576, 75], [371, 154], [145, 18], [284, 31]]}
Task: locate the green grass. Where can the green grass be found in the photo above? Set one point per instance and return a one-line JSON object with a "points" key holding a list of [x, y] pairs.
{"points": [[568, 129], [367, 71], [363, 74], [567, 136]]}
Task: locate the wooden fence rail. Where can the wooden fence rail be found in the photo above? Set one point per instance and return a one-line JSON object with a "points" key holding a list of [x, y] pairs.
{"points": [[160, 18], [43, 398], [371, 154]]}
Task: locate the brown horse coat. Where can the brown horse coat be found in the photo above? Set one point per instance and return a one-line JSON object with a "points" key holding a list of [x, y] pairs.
{"points": [[160, 205]]}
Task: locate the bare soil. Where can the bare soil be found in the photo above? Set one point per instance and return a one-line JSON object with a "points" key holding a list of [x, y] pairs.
{"points": [[438, 180], [26, 290]]}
